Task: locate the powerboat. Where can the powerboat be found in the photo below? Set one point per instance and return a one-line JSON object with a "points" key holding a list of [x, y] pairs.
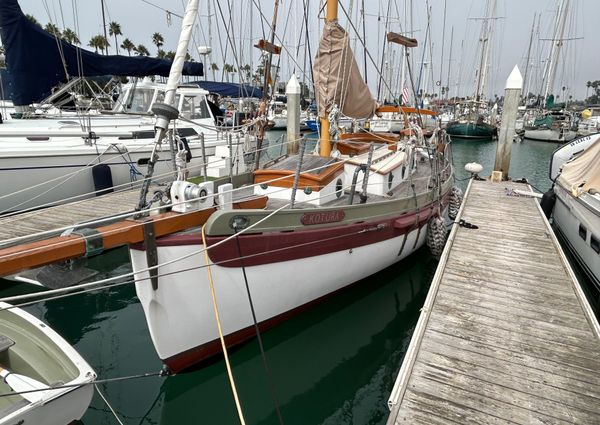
{"points": [[577, 207]]}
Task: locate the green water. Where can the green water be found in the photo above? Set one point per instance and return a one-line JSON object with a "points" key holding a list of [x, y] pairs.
{"points": [[335, 364]]}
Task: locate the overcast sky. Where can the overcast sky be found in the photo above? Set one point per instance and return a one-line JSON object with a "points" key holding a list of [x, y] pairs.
{"points": [[578, 62]]}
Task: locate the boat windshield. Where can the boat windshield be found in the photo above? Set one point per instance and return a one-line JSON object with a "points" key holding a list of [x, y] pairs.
{"points": [[194, 107], [135, 100]]}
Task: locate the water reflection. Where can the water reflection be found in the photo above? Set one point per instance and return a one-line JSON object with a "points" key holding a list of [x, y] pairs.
{"points": [[339, 358]]}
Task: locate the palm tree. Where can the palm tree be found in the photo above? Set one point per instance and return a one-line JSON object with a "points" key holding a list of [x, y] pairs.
{"points": [[228, 68], [158, 40], [104, 44], [32, 19], [214, 67], [247, 71], [52, 29], [170, 55], [587, 88], [99, 42], [114, 29], [128, 45], [70, 36], [161, 54], [95, 42], [141, 50]]}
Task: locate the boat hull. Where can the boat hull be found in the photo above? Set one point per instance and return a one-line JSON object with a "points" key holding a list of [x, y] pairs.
{"points": [[51, 176], [41, 354], [549, 135], [469, 130], [290, 278], [569, 215]]}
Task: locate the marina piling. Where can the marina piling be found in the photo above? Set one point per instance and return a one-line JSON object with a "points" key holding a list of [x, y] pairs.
{"points": [[293, 93], [512, 96]]}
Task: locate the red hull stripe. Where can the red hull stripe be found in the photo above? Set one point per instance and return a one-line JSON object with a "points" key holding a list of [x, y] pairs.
{"points": [[272, 247]]}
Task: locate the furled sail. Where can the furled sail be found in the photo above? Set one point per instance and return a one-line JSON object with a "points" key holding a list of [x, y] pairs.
{"points": [[37, 61], [337, 78]]}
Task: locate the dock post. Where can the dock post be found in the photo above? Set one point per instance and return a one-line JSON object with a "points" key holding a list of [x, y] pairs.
{"points": [[293, 93], [512, 95]]}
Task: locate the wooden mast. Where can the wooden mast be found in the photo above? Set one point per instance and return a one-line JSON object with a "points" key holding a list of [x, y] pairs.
{"points": [[325, 141]]}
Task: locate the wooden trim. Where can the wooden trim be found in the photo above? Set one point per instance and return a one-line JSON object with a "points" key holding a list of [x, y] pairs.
{"points": [[405, 110], [315, 181], [352, 148], [62, 248], [371, 137], [393, 37], [268, 47]]}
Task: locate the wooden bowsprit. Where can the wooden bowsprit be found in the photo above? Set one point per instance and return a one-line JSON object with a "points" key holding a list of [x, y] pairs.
{"points": [[91, 240]]}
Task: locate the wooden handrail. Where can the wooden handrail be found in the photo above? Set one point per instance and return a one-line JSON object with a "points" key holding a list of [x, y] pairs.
{"points": [[405, 110]]}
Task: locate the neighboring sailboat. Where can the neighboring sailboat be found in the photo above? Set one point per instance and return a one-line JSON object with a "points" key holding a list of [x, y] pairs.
{"points": [[329, 222], [49, 160], [34, 360], [552, 126], [473, 117], [577, 207]]}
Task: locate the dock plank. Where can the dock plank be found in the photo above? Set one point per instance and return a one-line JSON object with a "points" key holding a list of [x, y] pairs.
{"points": [[506, 335], [53, 220]]}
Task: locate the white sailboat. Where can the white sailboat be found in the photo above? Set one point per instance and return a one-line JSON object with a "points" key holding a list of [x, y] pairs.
{"points": [[313, 236]]}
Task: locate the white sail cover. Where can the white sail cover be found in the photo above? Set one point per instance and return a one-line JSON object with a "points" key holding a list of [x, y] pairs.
{"points": [[583, 171], [337, 78]]}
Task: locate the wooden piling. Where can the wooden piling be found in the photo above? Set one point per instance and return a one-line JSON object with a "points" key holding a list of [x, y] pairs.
{"points": [[512, 96]]}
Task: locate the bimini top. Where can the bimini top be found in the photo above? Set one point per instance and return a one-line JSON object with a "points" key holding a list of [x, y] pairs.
{"points": [[34, 59], [230, 89]]}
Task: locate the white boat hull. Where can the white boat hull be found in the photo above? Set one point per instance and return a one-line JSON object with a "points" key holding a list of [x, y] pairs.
{"points": [[180, 315], [570, 214], [60, 406], [39, 177], [550, 135]]}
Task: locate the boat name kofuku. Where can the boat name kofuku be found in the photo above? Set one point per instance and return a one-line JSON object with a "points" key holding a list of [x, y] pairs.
{"points": [[312, 218]]}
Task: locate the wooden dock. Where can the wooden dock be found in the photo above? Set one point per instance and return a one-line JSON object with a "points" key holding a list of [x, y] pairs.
{"points": [[52, 221], [506, 335]]}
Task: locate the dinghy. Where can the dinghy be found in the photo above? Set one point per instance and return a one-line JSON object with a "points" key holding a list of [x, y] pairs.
{"points": [[49, 379]]}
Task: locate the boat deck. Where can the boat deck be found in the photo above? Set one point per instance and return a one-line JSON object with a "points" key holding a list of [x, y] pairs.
{"points": [[506, 335]]}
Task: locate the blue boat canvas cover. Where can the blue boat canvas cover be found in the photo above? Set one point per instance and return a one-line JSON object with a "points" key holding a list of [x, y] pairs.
{"points": [[230, 89], [37, 61]]}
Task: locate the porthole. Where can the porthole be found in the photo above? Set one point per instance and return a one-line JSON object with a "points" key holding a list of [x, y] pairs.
{"points": [[339, 188], [595, 244], [582, 232]]}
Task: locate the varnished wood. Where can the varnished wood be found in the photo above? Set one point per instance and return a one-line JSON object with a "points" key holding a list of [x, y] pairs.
{"points": [[505, 335], [29, 253]]}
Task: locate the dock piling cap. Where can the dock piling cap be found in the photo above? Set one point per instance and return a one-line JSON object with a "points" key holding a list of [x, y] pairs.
{"points": [[293, 86], [515, 79]]}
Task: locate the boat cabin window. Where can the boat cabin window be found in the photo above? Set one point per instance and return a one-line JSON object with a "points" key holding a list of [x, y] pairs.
{"points": [[582, 232], [140, 101], [194, 107], [595, 244]]}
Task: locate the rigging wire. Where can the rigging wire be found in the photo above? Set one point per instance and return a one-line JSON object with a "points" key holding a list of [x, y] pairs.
{"points": [[162, 8]]}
